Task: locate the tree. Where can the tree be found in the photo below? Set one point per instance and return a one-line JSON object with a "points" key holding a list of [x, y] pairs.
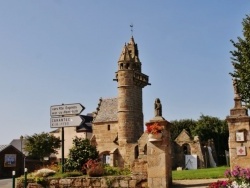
{"points": [[241, 62], [41, 145], [178, 126], [208, 127], [80, 153]]}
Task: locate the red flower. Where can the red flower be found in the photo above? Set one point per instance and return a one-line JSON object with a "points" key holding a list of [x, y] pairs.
{"points": [[154, 128]]}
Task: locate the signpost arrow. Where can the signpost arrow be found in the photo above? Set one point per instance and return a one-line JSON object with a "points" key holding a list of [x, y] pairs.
{"points": [[70, 121], [66, 109]]}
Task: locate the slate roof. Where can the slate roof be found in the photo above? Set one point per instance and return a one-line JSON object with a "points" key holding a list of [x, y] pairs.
{"points": [[2, 147], [107, 110], [17, 144]]}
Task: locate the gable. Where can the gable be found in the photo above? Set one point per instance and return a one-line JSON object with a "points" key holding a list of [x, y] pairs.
{"points": [[107, 111], [183, 137]]}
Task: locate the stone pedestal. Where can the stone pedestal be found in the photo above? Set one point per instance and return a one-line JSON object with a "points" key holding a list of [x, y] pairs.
{"points": [[159, 157]]}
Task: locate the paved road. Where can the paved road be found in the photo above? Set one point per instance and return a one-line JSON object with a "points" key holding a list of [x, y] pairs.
{"points": [[6, 183]]}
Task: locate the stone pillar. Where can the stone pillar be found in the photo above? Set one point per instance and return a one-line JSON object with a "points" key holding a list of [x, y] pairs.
{"points": [[159, 157], [239, 135]]}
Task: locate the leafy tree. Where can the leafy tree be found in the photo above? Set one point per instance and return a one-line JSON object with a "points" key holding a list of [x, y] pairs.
{"points": [[241, 62], [41, 145], [178, 126], [80, 153], [208, 127]]}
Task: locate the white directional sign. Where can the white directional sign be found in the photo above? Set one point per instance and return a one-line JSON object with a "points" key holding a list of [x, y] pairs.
{"points": [[73, 121], [66, 109]]}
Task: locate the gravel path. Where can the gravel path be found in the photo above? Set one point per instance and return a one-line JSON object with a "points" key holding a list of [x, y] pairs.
{"points": [[201, 183]]}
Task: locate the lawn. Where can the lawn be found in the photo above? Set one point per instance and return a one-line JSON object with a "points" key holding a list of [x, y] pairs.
{"points": [[205, 173]]}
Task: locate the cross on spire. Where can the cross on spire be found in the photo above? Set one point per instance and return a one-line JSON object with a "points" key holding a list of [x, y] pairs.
{"points": [[131, 29]]}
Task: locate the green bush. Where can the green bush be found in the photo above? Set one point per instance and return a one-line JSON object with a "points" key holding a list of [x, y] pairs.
{"points": [[115, 171], [79, 154], [67, 174]]}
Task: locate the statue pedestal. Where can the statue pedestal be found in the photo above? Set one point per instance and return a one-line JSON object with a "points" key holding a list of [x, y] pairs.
{"points": [[154, 137], [159, 157]]}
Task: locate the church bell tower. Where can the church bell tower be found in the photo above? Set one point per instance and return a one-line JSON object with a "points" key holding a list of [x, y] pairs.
{"points": [[130, 81]]}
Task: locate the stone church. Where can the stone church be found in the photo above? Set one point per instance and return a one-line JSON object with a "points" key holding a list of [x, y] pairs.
{"points": [[116, 128], [118, 122]]}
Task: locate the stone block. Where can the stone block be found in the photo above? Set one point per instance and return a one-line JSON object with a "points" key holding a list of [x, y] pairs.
{"points": [[96, 182], [124, 183], [53, 183], [65, 182], [132, 183], [77, 182], [86, 182], [34, 185]]}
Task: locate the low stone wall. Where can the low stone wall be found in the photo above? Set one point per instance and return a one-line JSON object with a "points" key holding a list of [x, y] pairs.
{"points": [[135, 181]]}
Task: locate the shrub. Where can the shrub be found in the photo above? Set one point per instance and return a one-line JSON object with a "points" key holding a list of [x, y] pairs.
{"points": [[67, 174], [79, 154], [110, 170], [94, 168]]}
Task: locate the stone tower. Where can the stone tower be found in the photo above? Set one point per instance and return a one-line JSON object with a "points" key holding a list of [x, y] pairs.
{"points": [[130, 83]]}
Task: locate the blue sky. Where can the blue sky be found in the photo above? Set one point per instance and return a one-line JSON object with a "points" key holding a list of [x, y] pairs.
{"points": [[59, 51]]}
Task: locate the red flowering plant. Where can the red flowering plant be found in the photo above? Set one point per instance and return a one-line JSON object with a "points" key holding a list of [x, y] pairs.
{"points": [[219, 184], [94, 168], [154, 128]]}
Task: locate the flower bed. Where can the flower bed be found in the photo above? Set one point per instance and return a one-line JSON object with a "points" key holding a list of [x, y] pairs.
{"points": [[237, 178]]}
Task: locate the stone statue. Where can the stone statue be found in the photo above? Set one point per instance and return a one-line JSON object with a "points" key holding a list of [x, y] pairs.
{"points": [[158, 107], [236, 91]]}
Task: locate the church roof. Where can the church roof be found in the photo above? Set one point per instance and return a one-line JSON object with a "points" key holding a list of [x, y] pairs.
{"points": [[17, 143], [106, 111], [2, 147]]}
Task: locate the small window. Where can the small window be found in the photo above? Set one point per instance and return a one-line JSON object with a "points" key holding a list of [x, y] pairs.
{"points": [[108, 127], [106, 159]]}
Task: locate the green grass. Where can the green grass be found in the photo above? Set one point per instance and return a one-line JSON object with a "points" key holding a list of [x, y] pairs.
{"points": [[206, 173]]}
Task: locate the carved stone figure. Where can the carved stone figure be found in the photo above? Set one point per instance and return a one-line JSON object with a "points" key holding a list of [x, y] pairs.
{"points": [[235, 87], [158, 107]]}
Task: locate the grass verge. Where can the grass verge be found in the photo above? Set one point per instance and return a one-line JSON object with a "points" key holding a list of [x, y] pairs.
{"points": [[205, 173]]}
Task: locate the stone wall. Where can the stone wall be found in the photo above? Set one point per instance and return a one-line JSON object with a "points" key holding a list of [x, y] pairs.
{"points": [[135, 181]]}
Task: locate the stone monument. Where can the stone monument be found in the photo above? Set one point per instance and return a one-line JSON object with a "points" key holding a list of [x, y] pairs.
{"points": [[239, 133], [159, 152]]}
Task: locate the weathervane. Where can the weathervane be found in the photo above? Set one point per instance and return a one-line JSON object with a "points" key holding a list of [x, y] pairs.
{"points": [[131, 29]]}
